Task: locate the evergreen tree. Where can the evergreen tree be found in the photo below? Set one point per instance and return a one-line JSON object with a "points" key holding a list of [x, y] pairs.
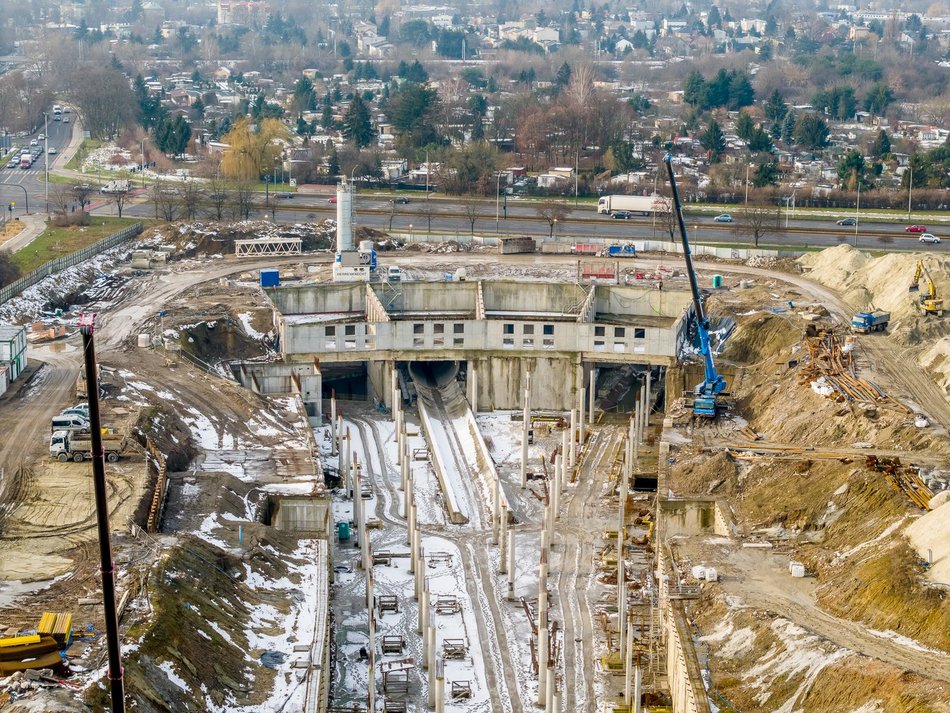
{"points": [[788, 128], [811, 132], [357, 126], [775, 107], [563, 76], [882, 145], [744, 126], [713, 140]]}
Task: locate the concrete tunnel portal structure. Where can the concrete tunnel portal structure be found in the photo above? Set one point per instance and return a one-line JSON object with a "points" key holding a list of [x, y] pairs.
{"points": [[350, 336]]}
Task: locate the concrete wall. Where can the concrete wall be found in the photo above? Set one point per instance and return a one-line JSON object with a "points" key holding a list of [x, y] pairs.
{"points": [[685, 679], [505, 296], [425, 296], [314, 299], [501, 382], [635, 300]]}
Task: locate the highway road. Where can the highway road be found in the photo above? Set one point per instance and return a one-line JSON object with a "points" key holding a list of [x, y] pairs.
{"points": [[449, 219], [13, 181], [517, 217]]}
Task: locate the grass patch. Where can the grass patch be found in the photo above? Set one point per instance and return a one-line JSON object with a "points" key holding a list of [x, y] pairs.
{"points": [[55, 242], [87, 147]]}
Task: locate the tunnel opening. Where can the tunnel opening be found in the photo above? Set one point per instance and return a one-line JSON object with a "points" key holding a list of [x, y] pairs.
{"points": [[618, 387], [433, 373], [348, 379]]}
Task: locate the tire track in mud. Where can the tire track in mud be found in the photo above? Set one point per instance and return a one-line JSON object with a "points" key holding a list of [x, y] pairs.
{"points": [[392, 515]]}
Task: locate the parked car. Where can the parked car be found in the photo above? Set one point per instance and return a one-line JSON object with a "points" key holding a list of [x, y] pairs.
{"points": [[915, 229], [847, 221], [621, 215], [724, 218], [400, 200], [929, 238]]}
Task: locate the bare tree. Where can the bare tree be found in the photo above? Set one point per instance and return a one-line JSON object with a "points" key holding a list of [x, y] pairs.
{"points": [[754, 220], [217, 197], [473, 211], [81, 193], [552, 212], [165, 201], [242, 201], [61, 198], [119, 198], [189, 199], [427, 210]]}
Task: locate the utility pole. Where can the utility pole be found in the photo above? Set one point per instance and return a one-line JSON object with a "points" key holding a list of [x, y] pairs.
{"points": [[46, 153], [107, 564], [857, 213], [747, 167], [910, 189]]}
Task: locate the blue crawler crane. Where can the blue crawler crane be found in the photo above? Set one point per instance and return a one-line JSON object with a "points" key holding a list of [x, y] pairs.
{"points": [[707, 396]]}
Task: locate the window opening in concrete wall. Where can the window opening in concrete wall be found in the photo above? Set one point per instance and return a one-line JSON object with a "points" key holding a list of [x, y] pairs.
{"points": [[438, 329], [620, 332], [508, 343], [458, 328], [349, 330], [418, 328], [599, 345], [527, 342], [528, 329], [639, 333], [458, 342], [599, 331], [548, 343], [548, 329], [329, 331], [509, 329], [418, 341]]}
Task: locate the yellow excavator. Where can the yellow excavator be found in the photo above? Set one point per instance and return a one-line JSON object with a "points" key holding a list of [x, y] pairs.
{"points": [[929, 303]]}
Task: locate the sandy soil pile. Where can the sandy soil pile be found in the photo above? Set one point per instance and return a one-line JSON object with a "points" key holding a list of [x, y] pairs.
{"points": [[932, 532], [876, 282]]}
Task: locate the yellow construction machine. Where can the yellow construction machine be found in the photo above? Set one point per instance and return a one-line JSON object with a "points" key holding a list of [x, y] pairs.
{"points": [[929, 303]]}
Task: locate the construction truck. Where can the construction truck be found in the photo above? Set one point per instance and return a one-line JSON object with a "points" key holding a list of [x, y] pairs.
{"points": [[644, 205], [929, 302], [67, 445], [867, 322]]}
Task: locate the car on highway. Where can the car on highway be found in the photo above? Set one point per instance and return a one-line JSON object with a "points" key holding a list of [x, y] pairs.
{"points": [[847, 221], [915, 229], [52, 150], [41, 137], [401, 200], [285, 194], [34, 142], [65, 119], [621, 215], [929, 238], [13, 164], [331, 200], [724, 218]]}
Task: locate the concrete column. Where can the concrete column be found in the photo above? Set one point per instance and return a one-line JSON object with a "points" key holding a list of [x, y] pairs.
{"points": [[581, 402], [473, 385], [549, 690], [424, 604], [542, 590], [543, 661], [496, 516], [333, 432], [407, 506], [428, 661], [556, 699], [565, 449], [525, 427], [511, 565], [348, 460], [637, 687], [555, 489], [628, 665], [622, 612], [394, 389], [649, 402], [439, 686], [420, 568], [635, 461], [591, 395], [572, 456], [502, 550]]}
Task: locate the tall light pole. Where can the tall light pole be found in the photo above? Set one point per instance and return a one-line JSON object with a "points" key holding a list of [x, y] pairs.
{"points": [[857, 213], [747, 167], [497, 191], [910, 189], [143, 163], [46, 152]]}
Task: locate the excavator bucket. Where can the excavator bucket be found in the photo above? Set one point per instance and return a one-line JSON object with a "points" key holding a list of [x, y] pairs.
{"points": [[914, 288]]}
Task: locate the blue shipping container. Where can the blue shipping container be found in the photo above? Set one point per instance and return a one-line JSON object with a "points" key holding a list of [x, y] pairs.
{"points": [[270, 278]]}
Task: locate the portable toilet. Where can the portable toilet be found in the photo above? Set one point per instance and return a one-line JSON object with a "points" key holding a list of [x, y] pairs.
{"points": [[717, 281], [343, 531]]}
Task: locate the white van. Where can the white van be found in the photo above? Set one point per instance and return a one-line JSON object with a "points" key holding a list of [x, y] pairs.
{"points": [[69, 423], [394, 274]]}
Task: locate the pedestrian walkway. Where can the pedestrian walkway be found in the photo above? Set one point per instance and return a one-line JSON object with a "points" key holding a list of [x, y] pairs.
{"points": [[33, 226]]}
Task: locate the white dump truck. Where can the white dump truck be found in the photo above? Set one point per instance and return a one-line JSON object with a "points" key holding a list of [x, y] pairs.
{"points": [[645, 205], [67, 445]]}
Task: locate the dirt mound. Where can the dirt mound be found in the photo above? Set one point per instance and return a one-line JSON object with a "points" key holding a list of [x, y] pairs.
{"points": [[882, 283], [930, 536], [217, 238], [759, 337], [716, 475]]}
